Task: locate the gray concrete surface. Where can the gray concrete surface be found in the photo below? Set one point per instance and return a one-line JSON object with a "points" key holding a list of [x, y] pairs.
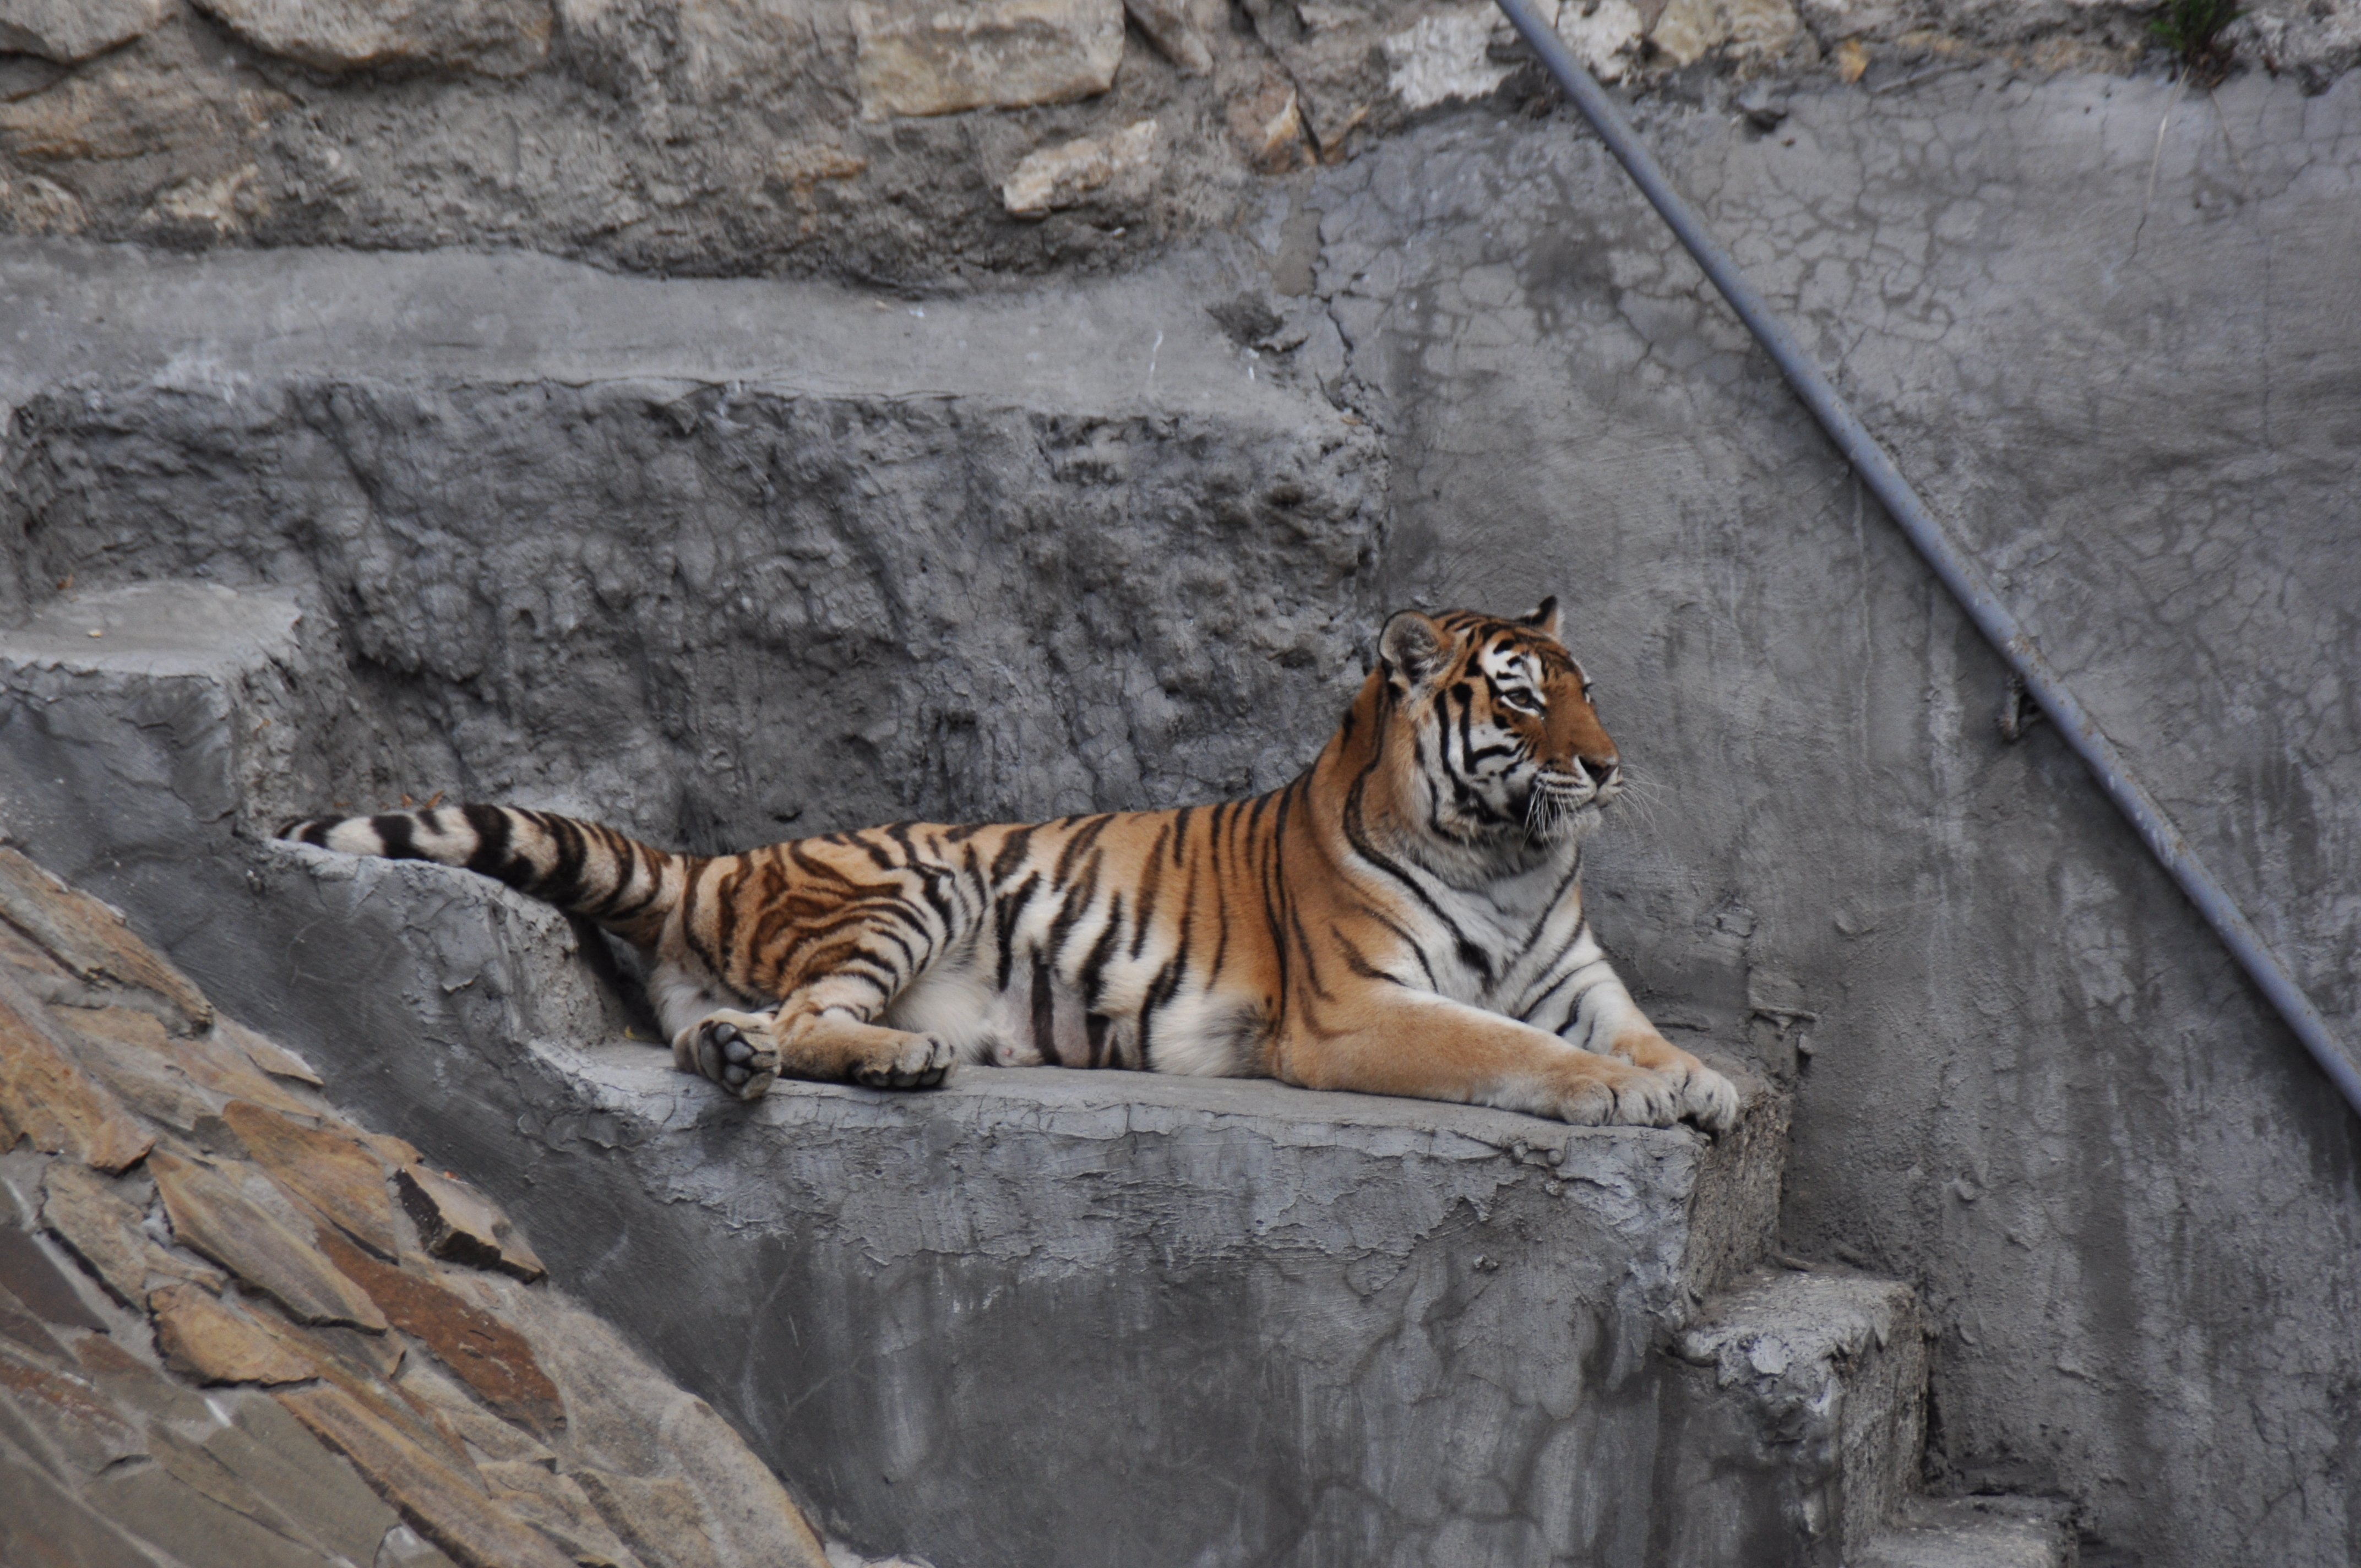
{"points": [[967, 592], [1035, 1316], [2112, 330], [2110, 327], [1975, 1532]]}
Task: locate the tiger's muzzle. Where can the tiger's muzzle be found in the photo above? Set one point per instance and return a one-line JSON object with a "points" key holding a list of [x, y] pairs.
{"points": [[1563, 800]]}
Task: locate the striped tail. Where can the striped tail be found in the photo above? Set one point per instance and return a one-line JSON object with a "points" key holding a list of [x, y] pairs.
{"points": [[581, 867]]}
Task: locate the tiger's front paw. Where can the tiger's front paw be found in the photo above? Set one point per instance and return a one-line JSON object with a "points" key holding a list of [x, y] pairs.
{"points": [[1600, 1092], [732, 1049], [916, 1061], [1703, 1095], [1710, 1100]]}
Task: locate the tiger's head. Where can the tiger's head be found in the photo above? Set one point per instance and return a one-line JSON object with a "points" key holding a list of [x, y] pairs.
{"points": [[1501, 747]]}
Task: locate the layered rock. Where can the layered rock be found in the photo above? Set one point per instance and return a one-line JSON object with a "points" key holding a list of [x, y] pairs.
{"points": [[223, 1341]]}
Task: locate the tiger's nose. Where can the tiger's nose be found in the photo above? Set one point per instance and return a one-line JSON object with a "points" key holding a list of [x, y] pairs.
{"points": [[1601, 770]]}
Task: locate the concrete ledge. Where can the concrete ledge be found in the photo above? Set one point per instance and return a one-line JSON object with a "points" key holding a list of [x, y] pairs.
{"points": [[1035, 1316], [1048, 1316]]}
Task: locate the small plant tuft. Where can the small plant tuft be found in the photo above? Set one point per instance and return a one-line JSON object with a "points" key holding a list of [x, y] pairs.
{"points": [[2192, 30]]}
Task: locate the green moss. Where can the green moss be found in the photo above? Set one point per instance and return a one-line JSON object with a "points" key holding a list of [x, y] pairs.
{"points": [[2192, 30]]}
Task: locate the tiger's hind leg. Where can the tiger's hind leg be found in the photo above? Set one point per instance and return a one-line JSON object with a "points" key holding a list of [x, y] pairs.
{"points": [[745, 1053]]}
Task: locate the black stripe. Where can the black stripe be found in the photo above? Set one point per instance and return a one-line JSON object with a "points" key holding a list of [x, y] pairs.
{"points": [[1082, 838], [393, 831], [1078, 901], [1161, 990], [1010, 911], [1044, 1015], [1148, 890], [1356, 834], [1091, 978]]}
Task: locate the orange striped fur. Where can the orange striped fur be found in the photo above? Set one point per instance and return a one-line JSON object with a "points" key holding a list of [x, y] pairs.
{"points": [[1404, 918]]}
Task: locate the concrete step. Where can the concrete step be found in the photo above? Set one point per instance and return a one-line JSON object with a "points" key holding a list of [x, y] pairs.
{"points": [[1038, 1316], [1817, 1378], [1973, 1532]]}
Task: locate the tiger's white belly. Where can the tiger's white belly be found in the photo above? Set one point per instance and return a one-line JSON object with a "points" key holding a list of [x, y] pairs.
{"points": [[956, 1003]]}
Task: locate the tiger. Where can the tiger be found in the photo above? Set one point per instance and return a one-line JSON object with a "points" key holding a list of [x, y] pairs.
{"points": [[1404, 918]]}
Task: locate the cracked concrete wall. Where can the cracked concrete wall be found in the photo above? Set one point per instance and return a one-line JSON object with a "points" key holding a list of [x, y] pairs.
{"points": [[2112, 330]]}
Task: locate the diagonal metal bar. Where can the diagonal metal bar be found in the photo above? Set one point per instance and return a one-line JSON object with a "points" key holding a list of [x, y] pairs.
{"points": [[1958, 570]]}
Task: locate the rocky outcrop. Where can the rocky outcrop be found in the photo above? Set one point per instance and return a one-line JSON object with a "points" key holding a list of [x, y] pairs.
{"points": [[70, 31], [874, 139], [496, 37], [223, 1341]]}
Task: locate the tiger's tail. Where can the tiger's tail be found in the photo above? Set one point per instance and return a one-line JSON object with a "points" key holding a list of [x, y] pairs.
{"points": [[582, 867]]}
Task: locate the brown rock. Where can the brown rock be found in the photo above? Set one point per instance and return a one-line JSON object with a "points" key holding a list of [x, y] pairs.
{"points": [[489, 37], [369, 1358], [18, 951], [207, 1338], [554, 1505], [623, 1414], [284, 1463], [101, 1228], [153, 1501], [41, 1522], [271, 1056], [69, 31], [154, 97], [1178, 29], [1270, 129], [212, 1217], [424, 1383], [432, 1498], [918, 57], [1119, 167], [92, 940], [209, 1059], [1335, 61], [398, 1152], [39, 1285], [146, 1080], [282, 1482], [49, 1099], [66, 1410], [329, 1169], [24, 1329], [659, 1517], [458, 1222], [486, 1353]]}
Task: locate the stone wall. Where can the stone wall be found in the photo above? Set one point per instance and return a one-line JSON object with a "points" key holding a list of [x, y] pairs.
{"points": [[882, 139], [2108, 328]]}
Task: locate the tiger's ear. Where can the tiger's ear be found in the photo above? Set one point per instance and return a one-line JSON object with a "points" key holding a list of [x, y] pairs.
{"points": [[1545, 620], [1411, 646]]}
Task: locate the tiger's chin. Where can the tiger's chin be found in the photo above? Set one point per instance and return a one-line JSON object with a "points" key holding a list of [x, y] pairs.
{"points": [[1551, 821]]}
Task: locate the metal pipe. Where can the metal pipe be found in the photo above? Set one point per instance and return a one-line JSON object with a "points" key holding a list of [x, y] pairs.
{"points": [[1958, 570]]}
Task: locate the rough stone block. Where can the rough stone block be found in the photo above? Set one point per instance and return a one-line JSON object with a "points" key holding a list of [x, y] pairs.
{"points": [[46, 1096], [917, 57], [1178, 29], [1975, 1532], [69, 31], [1116, 167], [1815, 1382], [492, 37]]}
